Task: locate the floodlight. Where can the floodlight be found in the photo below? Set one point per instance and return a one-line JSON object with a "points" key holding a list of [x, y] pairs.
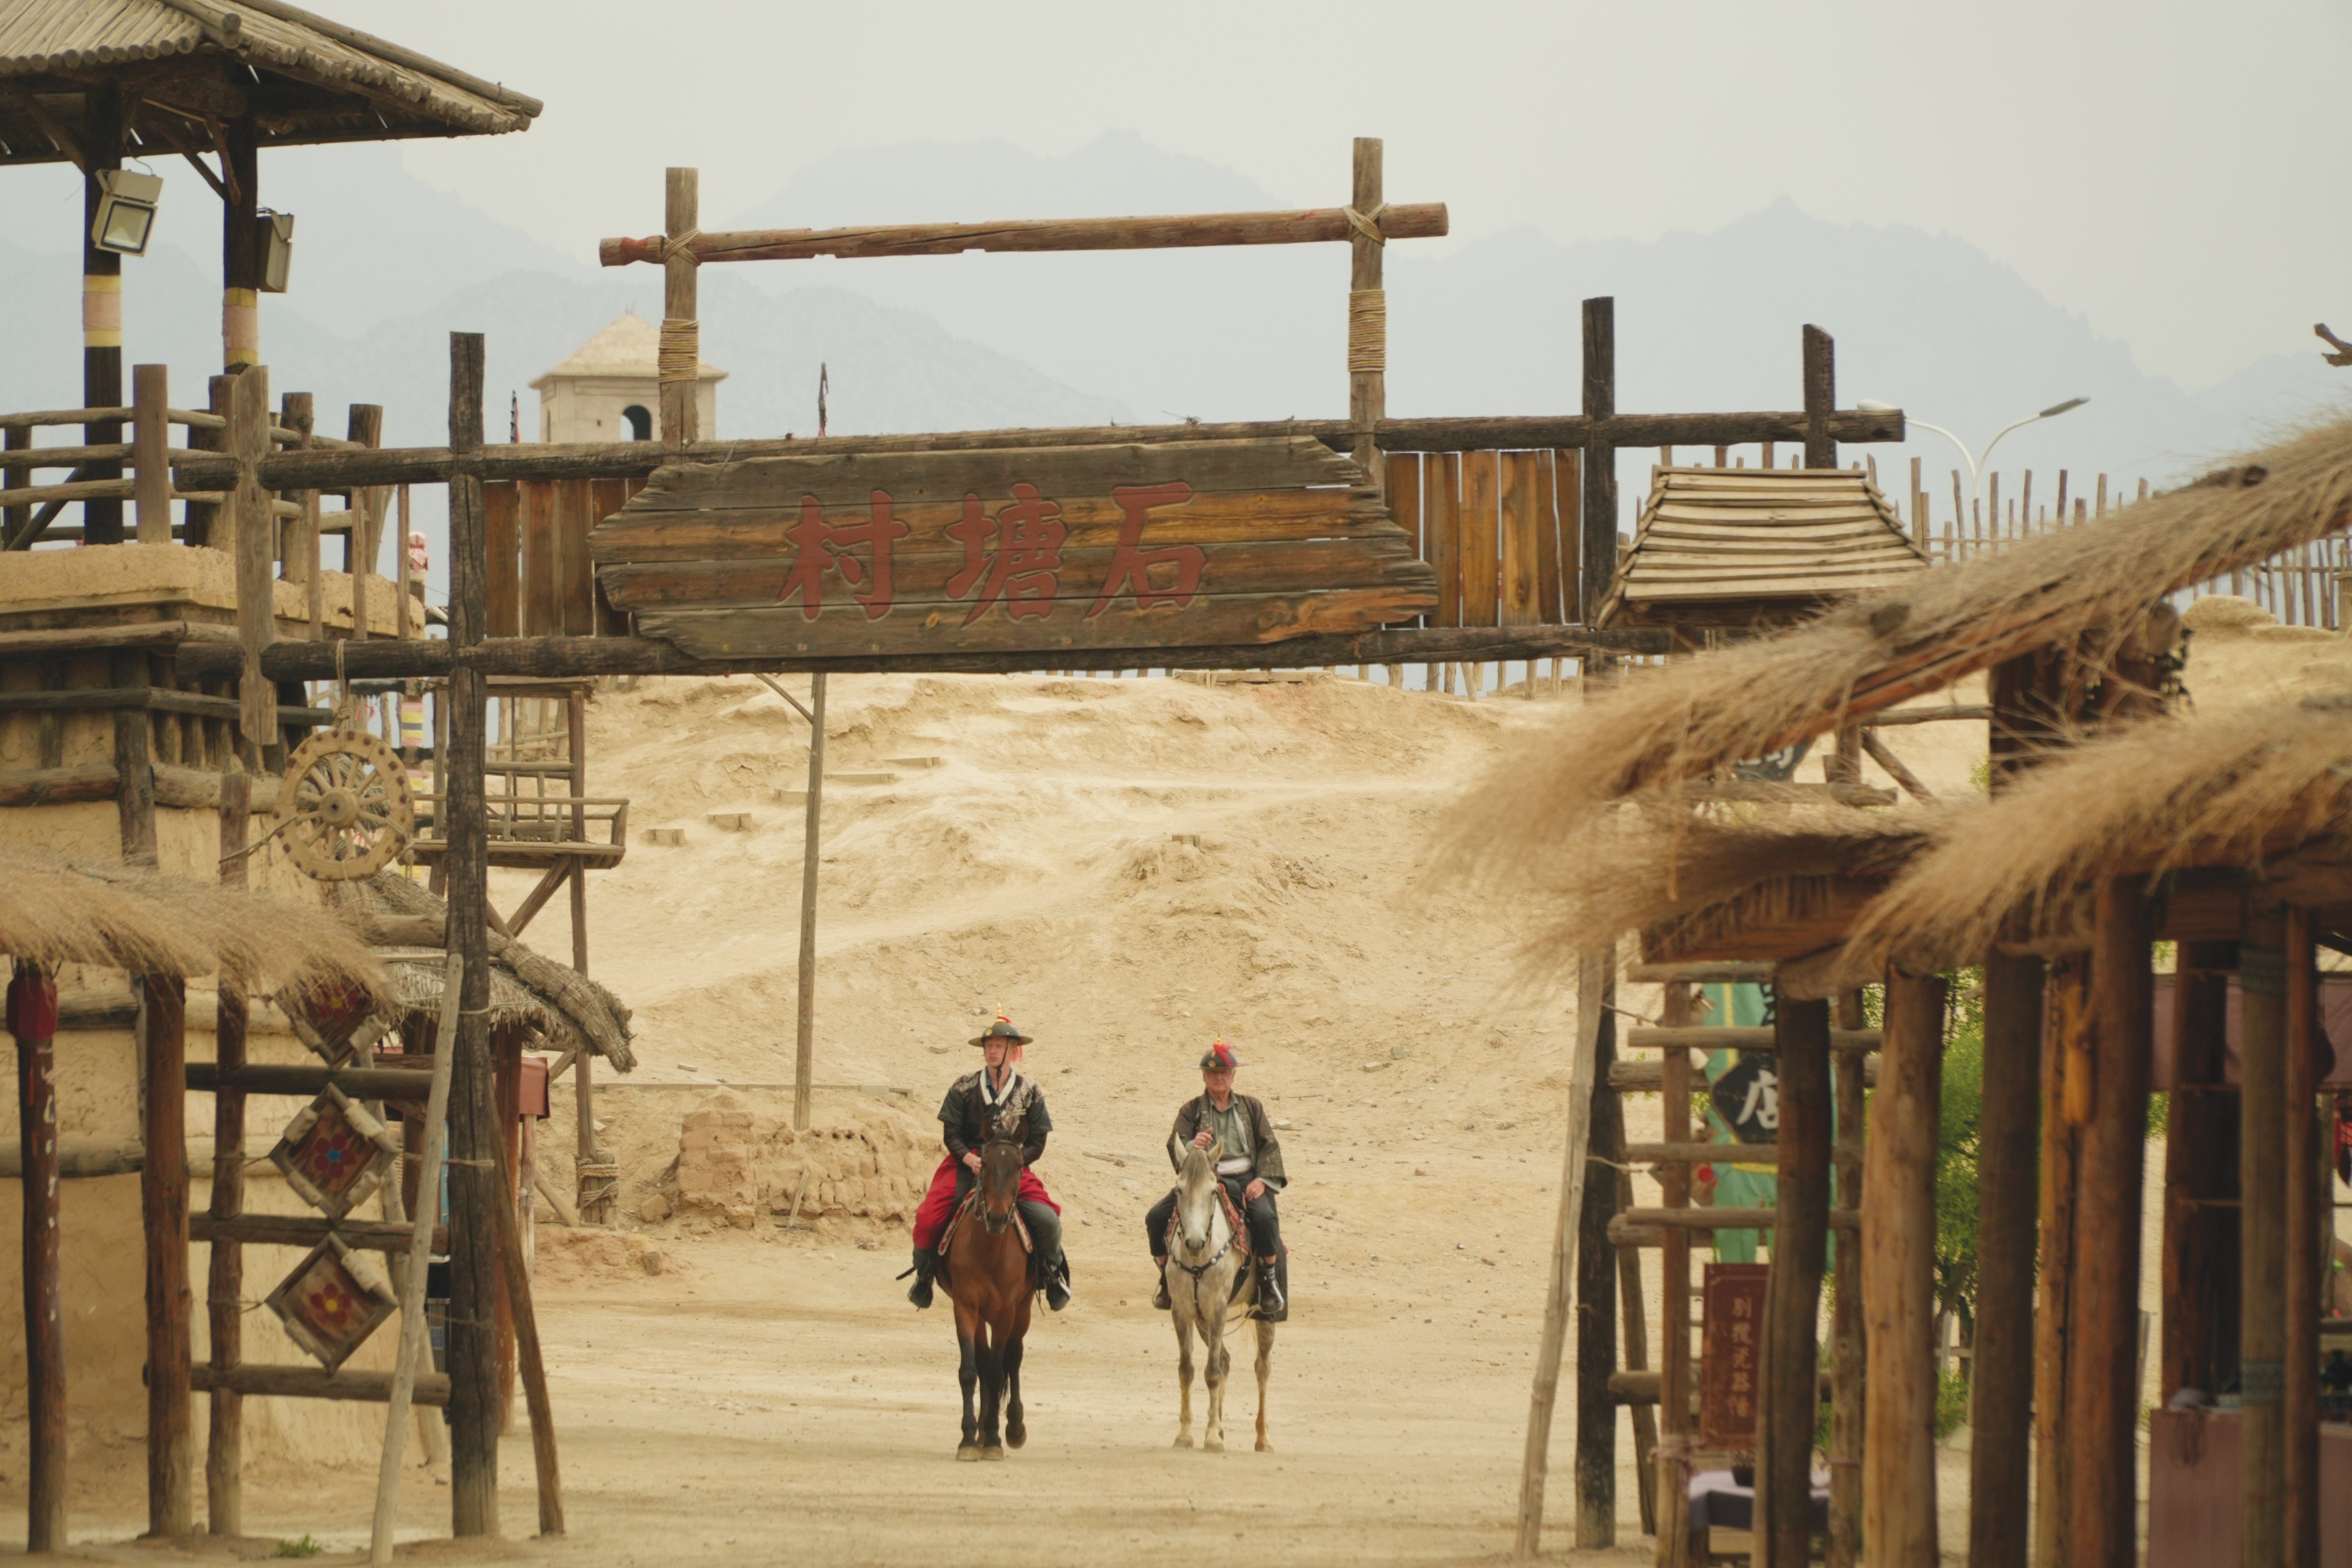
{"points": [[274, 238], [2055, 409], [126, 211]]}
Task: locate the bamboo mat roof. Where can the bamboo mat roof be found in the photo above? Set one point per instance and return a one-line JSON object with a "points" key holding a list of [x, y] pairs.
{"points": [[1731, 547], [54, 912], [313, 79]]}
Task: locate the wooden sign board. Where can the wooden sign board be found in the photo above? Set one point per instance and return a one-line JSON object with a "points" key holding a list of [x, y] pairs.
{"points": [[1054, 549], [1731, 1343]]}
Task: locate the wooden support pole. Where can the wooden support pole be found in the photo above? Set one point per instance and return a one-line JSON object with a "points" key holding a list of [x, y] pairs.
{"points": [[365, 428], [1674, 1453], [1596, 1296], [296, 412], [1597, 549], [2199, 1345], [134, 763], [225, 1282], [2262, 1324], [475, 1405], [2067, 989], [582, 1084], [2001, 1370], [1367, 309], [1848, 1331], [545, 1467], [33, 1019], [1633, 1315], [804, 1044], [681, 334], [1790, 1378], [101, 308], [163, 1199], [150, 435], [2306, 1233], [2101, 1399], [1898, 1243], [1820, 398], [1592, 1020], [414, 1266], [252, 528], [241, 251]]}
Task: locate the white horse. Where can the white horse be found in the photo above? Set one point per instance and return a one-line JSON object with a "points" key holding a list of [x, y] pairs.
{"points": [[1204, 1259]]}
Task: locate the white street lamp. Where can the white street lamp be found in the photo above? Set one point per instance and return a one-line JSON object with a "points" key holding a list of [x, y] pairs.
{"points": [[1976, 462]]}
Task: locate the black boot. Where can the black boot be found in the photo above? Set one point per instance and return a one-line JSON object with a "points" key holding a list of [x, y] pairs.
{"points": [[926, 1262], [1057, 1282], [1159, 1297], [1272, 1304]]}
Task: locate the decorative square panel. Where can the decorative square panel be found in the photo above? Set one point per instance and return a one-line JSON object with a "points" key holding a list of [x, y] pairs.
{"points": [[336, 1020], [328, 1305], [334, 1153]]}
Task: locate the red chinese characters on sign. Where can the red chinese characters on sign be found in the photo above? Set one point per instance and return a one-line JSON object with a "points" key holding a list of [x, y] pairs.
{"points": [[1730, 1338], [1014, 558], [1133, 568], [819, 547]]}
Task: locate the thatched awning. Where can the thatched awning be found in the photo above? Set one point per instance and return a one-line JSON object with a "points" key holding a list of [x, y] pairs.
{"points": [[53, 912], [1933, 630], [187, 66]]}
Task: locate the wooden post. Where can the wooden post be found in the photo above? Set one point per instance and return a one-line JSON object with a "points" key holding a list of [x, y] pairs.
{"points": [[2101, 1399], [15, 520], [252, 529], [1848, 1333], [2200, 1290], [2262, 1324], [2306, 1232], [150, 435], [1591, 1018], [414, 1267], [474, 1131], [366, 507], [33, 1019], [681, 334], [101, 307], [225, 1283], [2001, 1370], [1596, 1297], [241, 253], [1674, 1455], [164, 1198], [401, 568], [804, 1045], [545, 1468], [2068, 989], [1636, 1334], [1790, 1380], [1820, 398], [295, 412], [583, 1084], [134, 764], [1597, 546], [1898, 1243], [1366, 309]]}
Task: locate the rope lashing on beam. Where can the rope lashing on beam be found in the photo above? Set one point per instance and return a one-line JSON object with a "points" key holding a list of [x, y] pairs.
{"points": [[681, 348], [1367, 330], [679, 246], [1368, 223]]}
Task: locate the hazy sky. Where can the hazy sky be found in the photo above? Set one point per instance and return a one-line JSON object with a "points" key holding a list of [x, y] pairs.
{"points": [[2163, 167]]}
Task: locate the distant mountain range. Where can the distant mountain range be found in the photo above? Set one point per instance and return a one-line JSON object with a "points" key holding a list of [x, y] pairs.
{"points": [[386, 265]]}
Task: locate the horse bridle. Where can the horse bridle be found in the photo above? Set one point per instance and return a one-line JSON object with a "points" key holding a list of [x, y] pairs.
{"points": [[1175, 1233]]}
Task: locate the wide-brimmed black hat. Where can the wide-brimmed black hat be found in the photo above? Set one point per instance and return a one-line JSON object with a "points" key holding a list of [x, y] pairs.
{"points": [[1001, 1029]]}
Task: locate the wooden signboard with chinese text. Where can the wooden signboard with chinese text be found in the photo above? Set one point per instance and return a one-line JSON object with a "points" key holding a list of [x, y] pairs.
{"points": [[1058, 549], [1731, 1341]]}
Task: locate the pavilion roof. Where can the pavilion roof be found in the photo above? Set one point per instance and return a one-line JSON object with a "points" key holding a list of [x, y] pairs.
{"points": [[187, 66]]}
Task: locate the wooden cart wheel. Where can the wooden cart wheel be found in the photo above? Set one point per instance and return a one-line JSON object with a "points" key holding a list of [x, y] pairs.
{"points": [[343, 806]]}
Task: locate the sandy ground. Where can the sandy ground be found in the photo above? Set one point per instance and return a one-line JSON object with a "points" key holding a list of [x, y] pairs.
{"points": [[1127, 867]]}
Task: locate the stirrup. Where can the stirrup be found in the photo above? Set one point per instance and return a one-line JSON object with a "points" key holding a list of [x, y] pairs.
{"points": [[1159, 1297], [1270, 1292]]}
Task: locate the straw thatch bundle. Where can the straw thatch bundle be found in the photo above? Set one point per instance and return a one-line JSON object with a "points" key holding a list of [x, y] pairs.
{"points": [[54, 912], [1923, 635], [1692, 880], [2235, 790]]}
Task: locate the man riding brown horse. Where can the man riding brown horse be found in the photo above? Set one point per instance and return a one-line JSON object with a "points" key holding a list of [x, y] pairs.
{"points": [[1250, 1169], [998, 1091]]}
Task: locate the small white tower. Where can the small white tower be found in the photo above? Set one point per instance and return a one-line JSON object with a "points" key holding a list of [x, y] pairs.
{"points": [[608, 391]]}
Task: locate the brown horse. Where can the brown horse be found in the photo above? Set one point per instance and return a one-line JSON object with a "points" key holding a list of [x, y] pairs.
{"points": [[987, 1276]]}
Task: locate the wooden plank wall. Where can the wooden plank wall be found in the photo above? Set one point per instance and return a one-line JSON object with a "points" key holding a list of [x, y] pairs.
{"points": [[1500, 528], [542, 582]]}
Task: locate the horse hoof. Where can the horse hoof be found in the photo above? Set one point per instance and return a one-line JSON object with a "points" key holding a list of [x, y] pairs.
{"points": [[1016, 1436], [968, 1454], [992, 1453], [1213, 1446], [1183, 1439], [1264, 1447]]}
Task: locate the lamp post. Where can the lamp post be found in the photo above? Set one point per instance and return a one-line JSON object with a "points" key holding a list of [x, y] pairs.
{"points": [[1975, 463]]}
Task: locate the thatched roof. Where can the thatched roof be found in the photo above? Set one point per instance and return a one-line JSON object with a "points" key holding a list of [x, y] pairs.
{"points": [[53, 912], [1880, 648], [1739, 547], [183, 64], [572, 1010], [2238, 791]]}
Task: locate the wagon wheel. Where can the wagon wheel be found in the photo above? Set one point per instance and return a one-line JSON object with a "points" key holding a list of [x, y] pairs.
{"points": [[343, 806]]}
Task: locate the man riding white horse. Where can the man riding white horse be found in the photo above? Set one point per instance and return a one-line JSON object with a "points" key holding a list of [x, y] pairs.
{"points": [[997, 1091], [1250, 1168]]}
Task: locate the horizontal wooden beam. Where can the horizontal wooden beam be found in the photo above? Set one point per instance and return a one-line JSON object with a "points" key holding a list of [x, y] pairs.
{"points": [[1760, 792], [1648, 1226], [1646, 1037], [1416, 220], [315, 1383], [1650, 1077], [89, 639], [1742, 974], [1701, 1154], [1929, 715], [386, 658], [350, 467], [1641, 1387], [157, 698], [301, 1078], [309, 1230], [175, 786], [79, 1158]]}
